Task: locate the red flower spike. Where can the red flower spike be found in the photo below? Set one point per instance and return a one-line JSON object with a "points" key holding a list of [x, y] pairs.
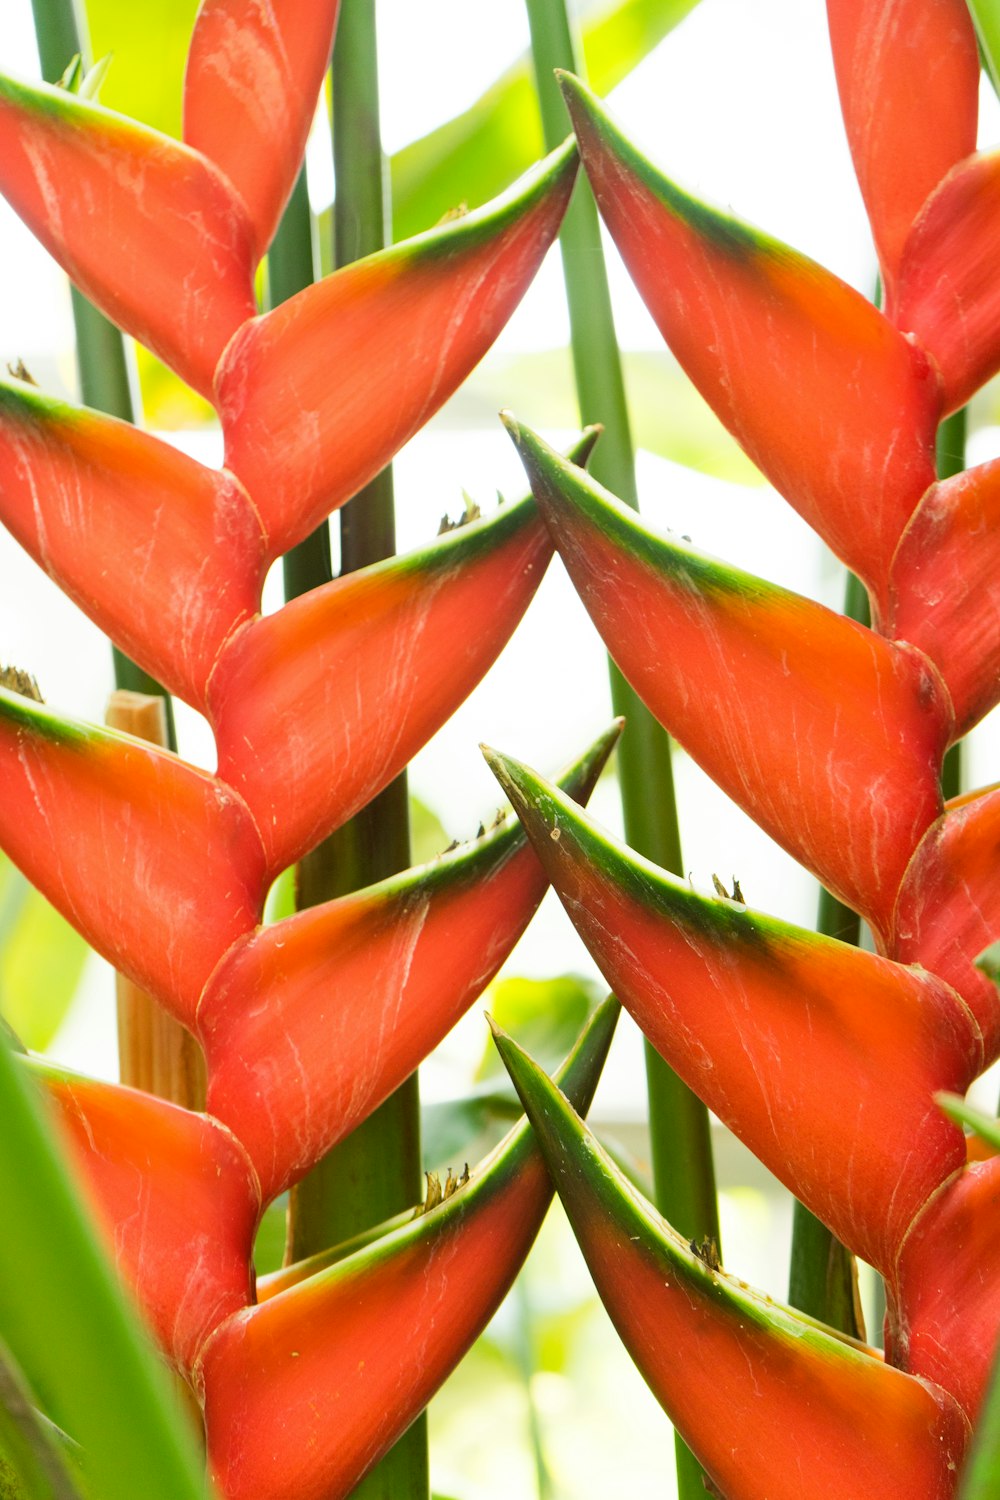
{"points": [[786, 1035], [104, 825], [836, 407], [178, 1198], [310, 1023], [949, 295], [944, 588], [804, 718], [943, 1321], [122, 208], [305, 1392], [317, 395], [174, 558], [309, 723], [948, 909], [762, 1395], [908, 75], [254, 73]]}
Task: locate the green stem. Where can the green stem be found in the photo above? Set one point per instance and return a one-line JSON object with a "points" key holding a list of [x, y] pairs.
{"points": [[683, 1171], [951, 440], [106, 378], [376, 1171], [822, 1277], [292, 265]]}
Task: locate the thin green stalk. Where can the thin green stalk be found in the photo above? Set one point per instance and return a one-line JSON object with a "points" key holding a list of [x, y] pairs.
{"points": [[525, 1355], [683, 1171], [376, 1171], [822, 1278], [103, 366], [951, 440], [292, 265]]}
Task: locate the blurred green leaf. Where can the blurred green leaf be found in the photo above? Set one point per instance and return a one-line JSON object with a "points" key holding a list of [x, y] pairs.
{"points": [[669, 417], [35, 1457], [148, 45], [269, 1246], [67, 1325], [41, 960], [465, 1130], [545, 1015], [981, 1475], [428, 837], [280, 901], [476, 155]]}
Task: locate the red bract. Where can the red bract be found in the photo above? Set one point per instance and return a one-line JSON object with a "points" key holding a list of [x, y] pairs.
{"points": [[839, 1423], [824, 1059], [742, 670], [330, 1371], [291, 1066], [787, 1036], [303, 431], [307, 1024]]}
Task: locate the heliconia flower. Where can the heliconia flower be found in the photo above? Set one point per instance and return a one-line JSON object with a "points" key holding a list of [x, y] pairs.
{"points": [[304, 1392], [948, 908], [944, 588], [310, 1023], [836, 407], [763, 1396], [123, 208], [105, 824], [786, 1035], [948, 295], [908, 75], [803, 717], [942, 1323], [318, 706], [174, 558], [177, 1197], [318, 394], [254, 73]]}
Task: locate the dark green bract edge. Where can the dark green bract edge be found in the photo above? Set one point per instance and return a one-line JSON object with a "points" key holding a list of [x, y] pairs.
{"points": [[558, 483], [587, 1180], [481, 225], [579, 1075], [545, 811]]}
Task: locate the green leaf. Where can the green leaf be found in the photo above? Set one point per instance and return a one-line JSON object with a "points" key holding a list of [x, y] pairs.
{"points": [[67, 1326], [269, 1246], [546, 1014], [986, 19], [474, 156], [149, 44], [465, 1130], [34, 1454], [981, 1475], [428, 837], [41, 960]]}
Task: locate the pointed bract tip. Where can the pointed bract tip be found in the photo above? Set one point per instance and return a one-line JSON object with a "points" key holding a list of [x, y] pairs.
{"points": [[508, 772], [572, 86]]}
